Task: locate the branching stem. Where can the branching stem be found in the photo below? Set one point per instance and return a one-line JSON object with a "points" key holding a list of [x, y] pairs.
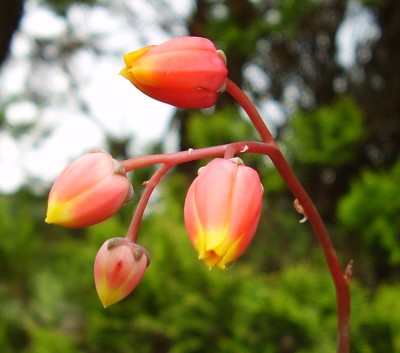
{"points": [[270, 148], [133, 229], [167, 161]]}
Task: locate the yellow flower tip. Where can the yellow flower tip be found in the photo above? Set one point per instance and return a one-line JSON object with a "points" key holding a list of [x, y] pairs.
{"points": [[48, 218], [59, 214], [130, 58], [108, 298], [213, 261], [125, 73]]}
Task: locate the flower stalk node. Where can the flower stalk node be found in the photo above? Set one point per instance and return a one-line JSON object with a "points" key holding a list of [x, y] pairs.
{"points": [[348, 273], [299, 208], [236, 160]]}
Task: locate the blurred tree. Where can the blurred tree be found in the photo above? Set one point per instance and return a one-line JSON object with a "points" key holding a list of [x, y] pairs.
{"points": [[374, 83], [10, 15]]}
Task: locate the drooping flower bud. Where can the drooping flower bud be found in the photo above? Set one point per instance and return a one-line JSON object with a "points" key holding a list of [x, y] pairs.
{"points": [[187, 72], [118, 268], [90, 190], [222, 210]]}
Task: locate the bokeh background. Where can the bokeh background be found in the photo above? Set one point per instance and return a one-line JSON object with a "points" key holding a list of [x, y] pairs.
{"points": [[325, 76]]}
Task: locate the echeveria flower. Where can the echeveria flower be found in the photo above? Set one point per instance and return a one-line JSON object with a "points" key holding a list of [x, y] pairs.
{"points": [[88, 191], [118, 268], [222, 210], [187, 72]]}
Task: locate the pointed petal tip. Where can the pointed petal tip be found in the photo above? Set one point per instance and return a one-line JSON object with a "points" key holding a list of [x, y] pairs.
{"points": [[49, 219], [105, 305]]}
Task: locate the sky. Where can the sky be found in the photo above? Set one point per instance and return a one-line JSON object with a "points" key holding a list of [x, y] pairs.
{"points": [[61, 130], [114, 103]]}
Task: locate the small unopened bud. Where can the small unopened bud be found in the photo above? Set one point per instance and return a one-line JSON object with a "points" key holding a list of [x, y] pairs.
{"points": [[118, 268]]}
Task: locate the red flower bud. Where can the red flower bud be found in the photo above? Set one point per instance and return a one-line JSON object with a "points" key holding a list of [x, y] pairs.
{"points": [[186, 72], [90, 190], [118, 268], [222, 210]]}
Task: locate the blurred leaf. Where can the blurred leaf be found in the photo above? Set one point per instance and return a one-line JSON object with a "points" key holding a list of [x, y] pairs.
{"points": [[220, 127], [327, 136], [376, 329], [371, 211]]}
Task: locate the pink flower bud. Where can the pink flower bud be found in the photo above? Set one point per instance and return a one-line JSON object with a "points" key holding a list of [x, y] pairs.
{"points": [[90, 190], [186, 72], [118, 268], [222, 210]]}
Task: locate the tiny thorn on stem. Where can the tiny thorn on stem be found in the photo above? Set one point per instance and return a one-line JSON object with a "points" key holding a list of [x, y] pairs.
{"points": [[145, 182], [299, 208], [190, 150], [348, 273]]}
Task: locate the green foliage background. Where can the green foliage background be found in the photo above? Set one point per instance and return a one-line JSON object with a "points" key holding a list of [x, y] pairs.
{"points": [[278, 298]]}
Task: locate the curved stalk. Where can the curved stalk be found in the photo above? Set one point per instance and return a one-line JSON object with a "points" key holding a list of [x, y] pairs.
{"points": [[340, 278], [133, 229]]}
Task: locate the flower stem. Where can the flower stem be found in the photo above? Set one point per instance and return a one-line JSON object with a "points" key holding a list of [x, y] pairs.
{"points": [[133, 229], [340, 278], [196, 154]]}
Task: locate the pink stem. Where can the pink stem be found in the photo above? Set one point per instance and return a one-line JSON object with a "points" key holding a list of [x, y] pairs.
{"points": [[133, 229], [196, 154], [340, 279]]}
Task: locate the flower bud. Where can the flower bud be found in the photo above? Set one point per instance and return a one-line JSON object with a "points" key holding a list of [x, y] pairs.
{"points": [[90, 190], [186, 72], [222, 210], [118, 268]]}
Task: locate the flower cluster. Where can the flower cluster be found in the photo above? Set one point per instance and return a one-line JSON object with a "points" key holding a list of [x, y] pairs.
{"points": [[223, 204]]}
